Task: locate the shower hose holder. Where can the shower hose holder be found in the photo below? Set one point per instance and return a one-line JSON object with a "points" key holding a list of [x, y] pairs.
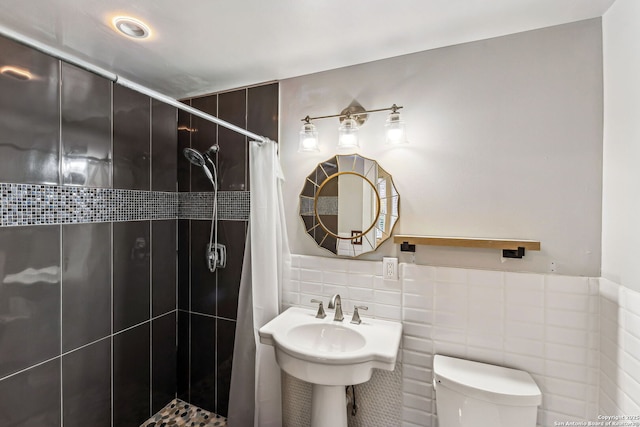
{"points": [[216, 256]]}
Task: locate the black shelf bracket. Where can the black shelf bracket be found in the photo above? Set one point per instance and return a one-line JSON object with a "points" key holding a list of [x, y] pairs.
{"points": [[513, 253], [406, 247]]}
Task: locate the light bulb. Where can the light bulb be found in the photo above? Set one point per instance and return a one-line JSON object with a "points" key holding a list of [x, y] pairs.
{"points": [[308, 138], [348, 134], [395, 129]]}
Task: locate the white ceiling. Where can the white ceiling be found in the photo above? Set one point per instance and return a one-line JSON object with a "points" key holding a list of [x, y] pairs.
{"points": [[203, 46]]}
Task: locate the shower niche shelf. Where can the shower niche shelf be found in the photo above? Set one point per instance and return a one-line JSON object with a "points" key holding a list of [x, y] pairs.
{"points": [[511, 248]]}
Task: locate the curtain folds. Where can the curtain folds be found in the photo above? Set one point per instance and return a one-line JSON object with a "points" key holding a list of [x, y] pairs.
{"points": [[255, 396]]}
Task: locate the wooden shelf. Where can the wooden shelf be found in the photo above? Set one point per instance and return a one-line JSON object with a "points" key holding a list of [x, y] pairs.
{"points": [[468, 242]]}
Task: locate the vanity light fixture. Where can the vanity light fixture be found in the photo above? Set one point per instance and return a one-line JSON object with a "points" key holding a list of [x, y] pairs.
{"points": [[351, 119], [348, 133], [131, 27], [395, 127], [308, 136]]}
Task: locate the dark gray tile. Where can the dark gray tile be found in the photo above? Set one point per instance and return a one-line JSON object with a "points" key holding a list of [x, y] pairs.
{"points": [[226, 331], [262, 114], [184, 264], [131, 276], [203, 362], [203, 281], [131, 139], [131, 377], [232, 167], [32, 398], [204, 135], [29, 116], [86, 128], [183, 362], [232, 234], [184, 141], [262, 110], [29, 296], [163, 261], [86, 382], [163, 361], [164, 140], [86, 283]]}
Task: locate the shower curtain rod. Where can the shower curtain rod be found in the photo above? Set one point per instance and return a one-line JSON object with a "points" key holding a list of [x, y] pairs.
{"points": [[56, 53]]}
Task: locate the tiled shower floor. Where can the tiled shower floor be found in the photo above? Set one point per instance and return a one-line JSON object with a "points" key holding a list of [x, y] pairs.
{"points": [[179, 413]]}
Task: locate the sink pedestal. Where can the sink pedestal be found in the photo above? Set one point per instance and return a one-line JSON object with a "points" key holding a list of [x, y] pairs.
{"points": [[328, 406]]}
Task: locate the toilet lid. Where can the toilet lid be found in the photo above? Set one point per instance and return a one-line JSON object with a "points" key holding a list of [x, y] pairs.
{"points": [[486, 382]]}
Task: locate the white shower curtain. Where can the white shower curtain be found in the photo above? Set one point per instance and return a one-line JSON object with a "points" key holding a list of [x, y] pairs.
{"points": [[255, 396]]}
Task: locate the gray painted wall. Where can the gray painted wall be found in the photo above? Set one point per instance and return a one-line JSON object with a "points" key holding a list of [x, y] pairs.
{"points": [[506, 142]]}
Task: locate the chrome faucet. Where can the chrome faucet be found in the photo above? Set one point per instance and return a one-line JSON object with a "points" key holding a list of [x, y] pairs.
{"points": [[336, 303]]}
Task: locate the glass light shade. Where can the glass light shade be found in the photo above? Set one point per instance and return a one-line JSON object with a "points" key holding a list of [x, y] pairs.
{"points": [[395, 129], [308, 138], [348, 134]]}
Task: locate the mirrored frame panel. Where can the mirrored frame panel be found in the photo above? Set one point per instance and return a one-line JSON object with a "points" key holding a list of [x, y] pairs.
{"points": [[349, 205]]}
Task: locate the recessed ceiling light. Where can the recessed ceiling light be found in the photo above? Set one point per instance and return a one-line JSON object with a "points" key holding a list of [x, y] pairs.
{"points": [[16, 72], [131, 27]]}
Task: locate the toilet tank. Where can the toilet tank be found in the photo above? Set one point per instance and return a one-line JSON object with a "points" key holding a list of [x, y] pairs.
{"points": [[473, 394]]}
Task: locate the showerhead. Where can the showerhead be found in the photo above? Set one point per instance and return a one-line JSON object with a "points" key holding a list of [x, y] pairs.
{"points": [[194, 156], [198, 159]]}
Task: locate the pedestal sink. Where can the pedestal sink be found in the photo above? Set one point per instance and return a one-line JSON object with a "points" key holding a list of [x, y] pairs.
{"points": [[331, 355]]}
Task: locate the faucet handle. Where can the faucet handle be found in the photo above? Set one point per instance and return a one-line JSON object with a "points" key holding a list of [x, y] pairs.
{"points": [[356, 316], [321, 314]]}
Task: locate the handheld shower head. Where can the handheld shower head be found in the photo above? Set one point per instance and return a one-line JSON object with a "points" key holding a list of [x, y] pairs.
{"points": [[194, 156], [198, 159]]}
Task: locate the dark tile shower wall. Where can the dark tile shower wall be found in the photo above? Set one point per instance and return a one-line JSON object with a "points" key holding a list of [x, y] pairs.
{"points": [[87, 310], [208, 302]]}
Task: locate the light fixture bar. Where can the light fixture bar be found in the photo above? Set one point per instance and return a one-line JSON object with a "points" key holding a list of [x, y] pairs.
{"points": [[393, 108]]}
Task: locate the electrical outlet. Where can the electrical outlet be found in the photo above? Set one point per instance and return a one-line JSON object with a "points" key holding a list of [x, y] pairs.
{"points": [[390, 268]]}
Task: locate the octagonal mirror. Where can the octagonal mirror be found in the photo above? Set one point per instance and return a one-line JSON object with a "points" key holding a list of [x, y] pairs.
{"points": [[349, 205]]}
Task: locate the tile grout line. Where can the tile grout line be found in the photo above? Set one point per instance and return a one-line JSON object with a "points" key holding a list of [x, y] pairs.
{"points": [[215, 224], [111, 227], [61, 255], [61, 355], [176, 295], [190, 260], [150, 318], [189, 319], [61, 261], [151, 261]]}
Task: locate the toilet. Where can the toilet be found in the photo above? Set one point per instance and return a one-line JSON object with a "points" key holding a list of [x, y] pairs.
{"points": [[473, 394]]}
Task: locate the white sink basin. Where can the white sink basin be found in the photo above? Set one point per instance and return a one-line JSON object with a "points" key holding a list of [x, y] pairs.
{"points": [[322, 337], [326, 352]]}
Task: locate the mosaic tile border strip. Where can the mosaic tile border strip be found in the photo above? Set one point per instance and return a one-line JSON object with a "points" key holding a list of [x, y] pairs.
{"points": [[35, 204], [232, 205], [180, 413]]}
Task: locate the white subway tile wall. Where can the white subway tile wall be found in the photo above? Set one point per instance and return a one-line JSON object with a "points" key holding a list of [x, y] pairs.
{"points": [[547, 325], [619, 391]]}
